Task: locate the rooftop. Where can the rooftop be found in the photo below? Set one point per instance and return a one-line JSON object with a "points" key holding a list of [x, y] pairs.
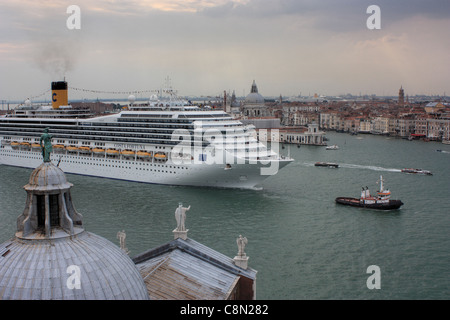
{"points": [[186, 269]]}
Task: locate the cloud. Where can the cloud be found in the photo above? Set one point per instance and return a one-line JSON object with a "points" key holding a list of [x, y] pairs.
{"points": [[206, 46]]}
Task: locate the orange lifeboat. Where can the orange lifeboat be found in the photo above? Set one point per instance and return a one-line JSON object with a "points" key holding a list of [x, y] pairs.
{"points": [[98, 150], [59, 147], [72, 148], [127, 153], [143, 154], [112, 152], [35, 146], [160, 156]]}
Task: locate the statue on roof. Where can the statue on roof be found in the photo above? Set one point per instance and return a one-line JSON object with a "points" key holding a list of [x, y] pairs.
{"points": [[47, 149], [241, 242], [180, 216], [121, 235]]}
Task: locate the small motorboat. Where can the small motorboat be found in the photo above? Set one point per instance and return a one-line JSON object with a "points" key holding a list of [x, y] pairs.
{"points": [[417, 171], [333, 147], [326, 164], [381, 201]]}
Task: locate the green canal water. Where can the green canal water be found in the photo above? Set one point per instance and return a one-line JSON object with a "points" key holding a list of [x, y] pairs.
{"points": [[303, 245]]}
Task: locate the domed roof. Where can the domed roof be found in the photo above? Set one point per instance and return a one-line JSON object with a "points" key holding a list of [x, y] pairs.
{"points": [[52, 257], [47, 177], [254, 97], [48, 270]]}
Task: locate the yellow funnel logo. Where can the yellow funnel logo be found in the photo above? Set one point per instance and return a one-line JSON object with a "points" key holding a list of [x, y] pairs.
{"points": [[59, 94]]}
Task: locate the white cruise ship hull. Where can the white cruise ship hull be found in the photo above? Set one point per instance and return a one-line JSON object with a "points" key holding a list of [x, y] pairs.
{"points": [[162, 142], [246, 176]]}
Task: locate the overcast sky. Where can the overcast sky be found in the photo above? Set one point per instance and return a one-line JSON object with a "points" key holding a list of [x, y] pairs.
{"points": [[288, 47]]}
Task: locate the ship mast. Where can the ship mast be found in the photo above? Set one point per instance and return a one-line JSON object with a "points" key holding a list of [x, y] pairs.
{"points": [[381, 184]]}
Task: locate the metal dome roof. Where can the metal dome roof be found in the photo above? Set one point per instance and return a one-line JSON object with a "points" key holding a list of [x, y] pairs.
{"points": [[40, 270], [52, 257], [254, 97], [47, 177]]}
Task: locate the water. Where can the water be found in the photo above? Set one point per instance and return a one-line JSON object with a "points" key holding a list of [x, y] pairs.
{"points": [[302, 244]]}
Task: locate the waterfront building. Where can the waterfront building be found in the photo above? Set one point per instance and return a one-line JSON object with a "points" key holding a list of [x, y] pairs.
{"points": [[404, 126], [254, 104], [351, 124], [438, 129], [331, 120], [421, 126], [380, 125], [365, 126], [311, 136]]}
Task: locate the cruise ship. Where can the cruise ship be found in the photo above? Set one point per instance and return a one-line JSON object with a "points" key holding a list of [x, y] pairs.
{"points": [[163, 141]]}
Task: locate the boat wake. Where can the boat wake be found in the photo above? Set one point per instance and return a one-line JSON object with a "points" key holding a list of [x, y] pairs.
{"points": [[374, 168]]}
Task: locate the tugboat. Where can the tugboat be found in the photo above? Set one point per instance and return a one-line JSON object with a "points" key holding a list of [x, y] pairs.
{"points": [[381, 201]]}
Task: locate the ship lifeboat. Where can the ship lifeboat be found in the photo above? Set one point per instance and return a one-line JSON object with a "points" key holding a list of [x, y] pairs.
{"points": [[98, 150], [25, 145], [36, 146], [160, 156], [85, 149], [112, 152], [142, 154], [72, 148], [58, 148], [127, 153], [14, 144]]}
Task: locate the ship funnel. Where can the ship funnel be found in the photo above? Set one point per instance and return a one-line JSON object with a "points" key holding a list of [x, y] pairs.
{"points": [[59, 94]]}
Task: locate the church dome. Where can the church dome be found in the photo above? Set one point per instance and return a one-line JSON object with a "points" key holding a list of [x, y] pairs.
{"points": [[47, 177], [52, 257], [254, 97], [50, 270]]}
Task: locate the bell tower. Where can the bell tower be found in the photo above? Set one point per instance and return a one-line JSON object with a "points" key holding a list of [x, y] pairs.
{"points": [[401, 96]]}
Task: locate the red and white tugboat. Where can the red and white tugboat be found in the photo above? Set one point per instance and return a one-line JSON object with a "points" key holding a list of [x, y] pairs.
{"points": [[381, 201]]}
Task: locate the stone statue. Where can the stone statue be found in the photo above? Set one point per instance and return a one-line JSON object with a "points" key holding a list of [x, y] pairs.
{"points": [[121, 235], [241, 242], [47, 146], [180, 216]]}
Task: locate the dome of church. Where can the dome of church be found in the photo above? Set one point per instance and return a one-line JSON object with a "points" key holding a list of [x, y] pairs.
{"points": [[47, 176], [254, 97], [82, 267], [52, 257]]}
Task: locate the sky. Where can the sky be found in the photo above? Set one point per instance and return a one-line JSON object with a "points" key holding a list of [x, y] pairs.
{"points": [[289, 47]]}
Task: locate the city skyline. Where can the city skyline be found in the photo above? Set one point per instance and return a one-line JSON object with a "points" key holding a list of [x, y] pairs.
{"points": [[208, 46]]}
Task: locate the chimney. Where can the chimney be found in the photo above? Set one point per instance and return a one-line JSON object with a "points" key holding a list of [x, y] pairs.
{"points": [[59, 94]]}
